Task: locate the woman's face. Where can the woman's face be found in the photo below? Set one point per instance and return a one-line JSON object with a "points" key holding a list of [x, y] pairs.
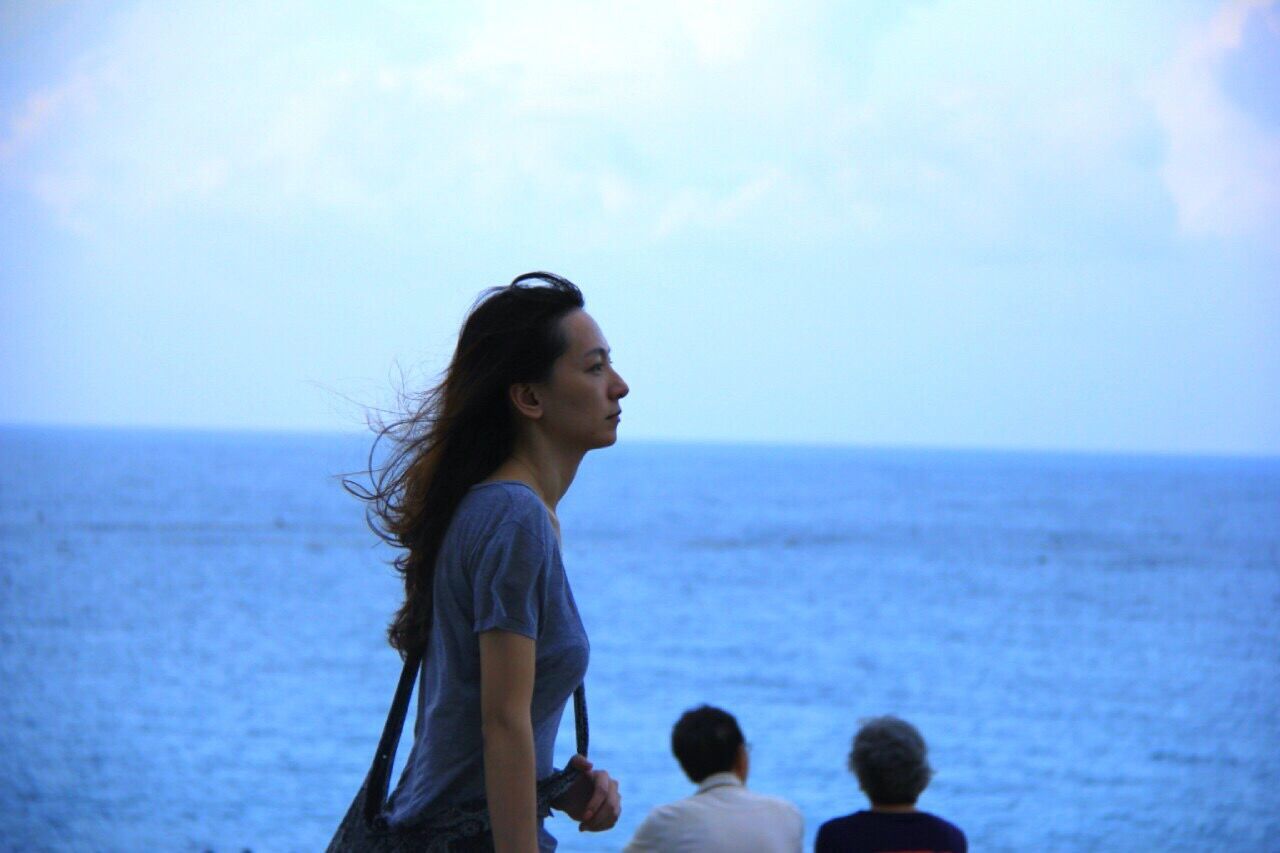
{"points": [[580, 400]]}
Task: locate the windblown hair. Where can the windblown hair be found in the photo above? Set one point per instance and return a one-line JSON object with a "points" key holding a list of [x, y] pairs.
{"points": [[706, 740], [454, 435], [890, 759]]}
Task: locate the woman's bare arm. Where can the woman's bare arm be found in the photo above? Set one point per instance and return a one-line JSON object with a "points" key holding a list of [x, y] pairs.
{"points": [[506, 692]]}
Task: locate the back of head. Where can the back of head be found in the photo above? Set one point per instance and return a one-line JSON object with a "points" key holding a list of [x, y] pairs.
{"points": [[890, 759], [706, 740]]}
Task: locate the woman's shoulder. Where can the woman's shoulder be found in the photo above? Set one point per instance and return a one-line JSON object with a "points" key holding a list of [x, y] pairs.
{"points": [[491, 504]]}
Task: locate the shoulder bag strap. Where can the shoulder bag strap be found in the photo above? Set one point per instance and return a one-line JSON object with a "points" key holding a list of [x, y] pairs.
{"points": [[375, 799], [580, 718], [375, 795]]}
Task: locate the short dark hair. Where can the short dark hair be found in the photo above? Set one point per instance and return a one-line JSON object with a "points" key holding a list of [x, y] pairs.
{"points": [[706, 740], [890, 759]]}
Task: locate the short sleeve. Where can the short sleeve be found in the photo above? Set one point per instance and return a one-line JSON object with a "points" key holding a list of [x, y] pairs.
{"points": [[510, 575]]}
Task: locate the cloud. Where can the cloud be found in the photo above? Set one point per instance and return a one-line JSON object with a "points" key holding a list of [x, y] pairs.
{"points": [[691, 208], [558, 103], [1222, 166], [952, 122], [1004, 124], [44, 108]]}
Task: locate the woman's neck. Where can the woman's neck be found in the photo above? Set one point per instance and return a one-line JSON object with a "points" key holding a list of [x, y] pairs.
{"points": [[546, 472]]}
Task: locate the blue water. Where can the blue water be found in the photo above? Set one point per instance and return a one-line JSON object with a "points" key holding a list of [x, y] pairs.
{"points": [[191, 644]]}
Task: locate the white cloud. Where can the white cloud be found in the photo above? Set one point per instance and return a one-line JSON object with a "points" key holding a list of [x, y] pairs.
{"points": [[948, 121], [692, 208], [993, 121], [593, 108], [723, 31], [43, 109], [1222, 167], [574, 57]]}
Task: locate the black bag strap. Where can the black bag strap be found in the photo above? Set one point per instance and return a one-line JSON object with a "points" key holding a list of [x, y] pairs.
{"points": [[375, 798]]}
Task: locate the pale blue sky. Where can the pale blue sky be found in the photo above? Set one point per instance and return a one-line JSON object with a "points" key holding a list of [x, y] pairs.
{"points": [[1028, 225]]}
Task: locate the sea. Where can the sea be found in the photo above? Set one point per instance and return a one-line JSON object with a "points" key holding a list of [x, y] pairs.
{"points": [[192, 651]]}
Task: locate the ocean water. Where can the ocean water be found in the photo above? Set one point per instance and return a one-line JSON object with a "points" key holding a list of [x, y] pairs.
{"points": [[191, 646]]}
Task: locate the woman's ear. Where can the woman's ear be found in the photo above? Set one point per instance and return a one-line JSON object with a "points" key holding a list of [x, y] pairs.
{"points": [[524, 396]]}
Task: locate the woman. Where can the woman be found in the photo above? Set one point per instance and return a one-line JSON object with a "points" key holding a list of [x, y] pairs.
{"points": [[470, 493]]}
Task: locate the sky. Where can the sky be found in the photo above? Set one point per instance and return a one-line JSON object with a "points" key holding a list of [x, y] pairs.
{"points": [[939, 224]]}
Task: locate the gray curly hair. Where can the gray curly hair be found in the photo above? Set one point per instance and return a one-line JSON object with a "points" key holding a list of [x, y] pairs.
{"points": [[890, 759]]}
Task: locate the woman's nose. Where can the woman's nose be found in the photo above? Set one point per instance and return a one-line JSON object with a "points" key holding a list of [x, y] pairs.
{"points": [[621, 388]]}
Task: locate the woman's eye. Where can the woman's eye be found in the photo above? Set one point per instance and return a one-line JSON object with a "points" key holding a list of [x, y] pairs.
{"points": [[596, 368]]}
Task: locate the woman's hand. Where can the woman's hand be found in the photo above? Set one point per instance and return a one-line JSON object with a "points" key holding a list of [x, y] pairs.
{"points": [[593, 801]]}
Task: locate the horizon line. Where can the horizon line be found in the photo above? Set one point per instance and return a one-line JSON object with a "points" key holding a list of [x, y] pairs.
{"points": [[799, 444]]}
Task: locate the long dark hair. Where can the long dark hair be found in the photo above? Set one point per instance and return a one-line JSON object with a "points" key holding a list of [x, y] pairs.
{"points": [[453, 435]]}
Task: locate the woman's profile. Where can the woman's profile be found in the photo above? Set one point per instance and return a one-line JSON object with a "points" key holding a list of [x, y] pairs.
{"points": [[469, 492]]}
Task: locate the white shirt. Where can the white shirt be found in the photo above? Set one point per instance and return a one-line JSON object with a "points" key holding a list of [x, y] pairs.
{"points": [[722, 817]]}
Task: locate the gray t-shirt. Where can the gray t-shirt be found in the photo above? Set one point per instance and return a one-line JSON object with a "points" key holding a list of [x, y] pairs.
{"points": [[498, 568]]}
